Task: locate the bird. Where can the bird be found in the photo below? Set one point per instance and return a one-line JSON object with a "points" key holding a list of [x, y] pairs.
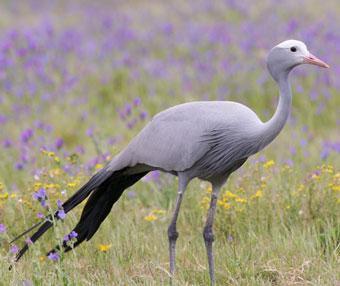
{"points": [[208, 140]]}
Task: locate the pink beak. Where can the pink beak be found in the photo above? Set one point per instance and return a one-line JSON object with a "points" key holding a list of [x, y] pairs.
{"points": [[313, 60]]}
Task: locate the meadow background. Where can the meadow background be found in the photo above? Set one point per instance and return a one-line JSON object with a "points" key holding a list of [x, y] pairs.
{"points": [[79, 79]]}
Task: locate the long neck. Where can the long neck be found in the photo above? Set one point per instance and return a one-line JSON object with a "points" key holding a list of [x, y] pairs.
{"points": [[273, 126]]}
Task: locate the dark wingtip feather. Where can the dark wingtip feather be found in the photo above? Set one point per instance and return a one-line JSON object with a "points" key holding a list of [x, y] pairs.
{"points": [[72, 202], [97, 208], [34, 237]]}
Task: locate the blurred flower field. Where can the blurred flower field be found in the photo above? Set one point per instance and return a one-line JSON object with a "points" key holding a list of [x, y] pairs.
{"points": [[78, 80]]}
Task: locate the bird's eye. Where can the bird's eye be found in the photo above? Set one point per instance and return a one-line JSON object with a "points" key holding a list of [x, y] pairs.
{"points": [[293, 49]]}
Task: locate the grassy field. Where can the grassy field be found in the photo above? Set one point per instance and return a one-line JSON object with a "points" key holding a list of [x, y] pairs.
{"points": [[78, 81]]}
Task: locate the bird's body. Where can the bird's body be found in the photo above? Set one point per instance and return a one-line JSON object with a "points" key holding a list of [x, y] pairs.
{"points": [[187, 136], [206, 139]]}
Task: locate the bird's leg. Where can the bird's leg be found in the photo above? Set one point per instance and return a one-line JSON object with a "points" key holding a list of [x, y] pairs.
{"points": [[172, 231], [209, 235]]}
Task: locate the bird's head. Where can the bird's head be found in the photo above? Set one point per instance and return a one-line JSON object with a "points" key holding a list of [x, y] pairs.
{"points": [[289, 54]]}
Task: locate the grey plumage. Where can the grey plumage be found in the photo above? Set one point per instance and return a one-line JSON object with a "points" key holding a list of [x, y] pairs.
{"points": [[208, 140]]}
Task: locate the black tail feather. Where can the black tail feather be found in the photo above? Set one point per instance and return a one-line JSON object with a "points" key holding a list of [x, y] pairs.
{"points": [[98, 179], [98, 207], [107, 187]]}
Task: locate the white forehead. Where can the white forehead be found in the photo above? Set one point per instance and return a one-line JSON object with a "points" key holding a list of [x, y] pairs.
{"points": [[293, 43]]}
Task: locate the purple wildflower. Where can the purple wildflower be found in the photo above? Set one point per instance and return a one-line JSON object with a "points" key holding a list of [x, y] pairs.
{"points": [[167, 29], [24, 156], [293, 151], [59, 143], [3, 119], [89, 132], [289, 162], [80, 149], [61, 214], [14, 249], [29, 241], [54, 256], [70, 236], [143, 115], [152, 176], [19, 166], [137, 101], [121, 114], [128, 109], [7, 143], [40, 215], [324, 153], [303, 142], [59, 204], [40, 194], [73, 234], [131, 123], [336, 147], [2, 228], [26, 135], [112, 141]]}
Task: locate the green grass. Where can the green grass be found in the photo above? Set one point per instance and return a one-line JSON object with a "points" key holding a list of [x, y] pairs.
{"points": [[280, 238]]}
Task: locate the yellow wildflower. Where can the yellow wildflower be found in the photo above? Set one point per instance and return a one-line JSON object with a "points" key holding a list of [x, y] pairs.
{"points": [[241, 200], [269, 164], [287, 168], [258, 194], [226, 205], [209, 190], [56, 159], [316, 177], [327, 169], [52, 186], [48, 153], [98, 166], [104, 247], [150, 217], [301, 187], [205, 202], [335, 188], [220, 202], [72, 184], [4, 196], [229, 195], [42, 258], [37, 185], [158, 211]]}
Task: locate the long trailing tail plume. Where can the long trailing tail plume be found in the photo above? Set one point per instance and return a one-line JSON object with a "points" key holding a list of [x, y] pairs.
{"points": [[106, 187]]}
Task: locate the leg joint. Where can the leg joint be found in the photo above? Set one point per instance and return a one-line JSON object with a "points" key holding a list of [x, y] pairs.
{"points": [[172, 233], [208, 234]]}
